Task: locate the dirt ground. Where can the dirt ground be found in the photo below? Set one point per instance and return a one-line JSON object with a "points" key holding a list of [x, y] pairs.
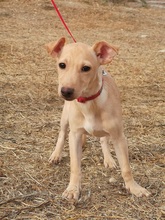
{"points": [[30, 110]]}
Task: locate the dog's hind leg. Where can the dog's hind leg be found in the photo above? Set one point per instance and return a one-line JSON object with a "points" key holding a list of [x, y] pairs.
{"points": [[83, 140], [108, 159], [57, 153]]}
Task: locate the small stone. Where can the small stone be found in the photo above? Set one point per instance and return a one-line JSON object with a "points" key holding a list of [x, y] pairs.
{"points": [[112, 180], [143, 36], [162, 51]]}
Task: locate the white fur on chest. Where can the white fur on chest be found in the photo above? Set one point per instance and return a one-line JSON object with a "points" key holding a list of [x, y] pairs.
{"points": [[94, 127]]}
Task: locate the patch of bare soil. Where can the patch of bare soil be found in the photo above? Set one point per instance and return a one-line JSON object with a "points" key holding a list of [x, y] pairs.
{"points": [[30, 110]]}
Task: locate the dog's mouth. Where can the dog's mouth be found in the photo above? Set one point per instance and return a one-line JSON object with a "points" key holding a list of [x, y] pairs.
{"points": [[68, 98]]}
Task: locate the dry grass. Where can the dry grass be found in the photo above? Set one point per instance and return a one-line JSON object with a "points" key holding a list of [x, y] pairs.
{"points": [[30, 111]]}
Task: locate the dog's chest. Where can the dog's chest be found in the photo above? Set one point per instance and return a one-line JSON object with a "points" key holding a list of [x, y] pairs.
{"points": [[94, 127]]}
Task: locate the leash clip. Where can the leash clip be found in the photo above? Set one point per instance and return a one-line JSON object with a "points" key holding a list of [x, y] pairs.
{"points": [[104, 73]]}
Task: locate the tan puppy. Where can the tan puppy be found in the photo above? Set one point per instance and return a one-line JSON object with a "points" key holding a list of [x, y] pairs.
{"points": [[92, 106]]}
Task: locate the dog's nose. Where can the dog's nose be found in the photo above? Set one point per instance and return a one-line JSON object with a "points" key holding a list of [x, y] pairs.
{"points": [[67, 92]]}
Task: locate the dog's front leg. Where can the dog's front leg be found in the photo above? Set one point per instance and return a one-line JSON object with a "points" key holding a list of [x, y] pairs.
{"points": [[75, 145], [56, 155], [121, 149]]}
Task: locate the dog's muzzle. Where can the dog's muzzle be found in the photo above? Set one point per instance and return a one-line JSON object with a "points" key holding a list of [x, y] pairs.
{"points": [[67, 93]]}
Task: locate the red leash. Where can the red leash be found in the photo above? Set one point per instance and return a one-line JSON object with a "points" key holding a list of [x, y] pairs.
{"points": [[61, 18]]}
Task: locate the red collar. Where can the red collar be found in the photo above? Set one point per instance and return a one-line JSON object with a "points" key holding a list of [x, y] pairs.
{"points": [[85, 99]]}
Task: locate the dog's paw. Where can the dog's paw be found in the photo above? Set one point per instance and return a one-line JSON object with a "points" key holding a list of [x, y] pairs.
{"points": [[72, 193], [137, 190], [109, 162], [55, 157]]}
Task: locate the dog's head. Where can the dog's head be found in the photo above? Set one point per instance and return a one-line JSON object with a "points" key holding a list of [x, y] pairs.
{"points": [[78, 66]]}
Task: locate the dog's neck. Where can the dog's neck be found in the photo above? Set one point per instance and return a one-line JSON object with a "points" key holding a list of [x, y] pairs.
{"points": [[85, 99], [82, 99]]}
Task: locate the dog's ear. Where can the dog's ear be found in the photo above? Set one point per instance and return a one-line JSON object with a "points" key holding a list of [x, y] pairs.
{"points": [[54, 48], [104, 52]]}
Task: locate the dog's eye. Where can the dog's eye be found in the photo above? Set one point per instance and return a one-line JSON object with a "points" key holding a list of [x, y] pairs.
{"points": [[62, 65], [85, 68]]}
